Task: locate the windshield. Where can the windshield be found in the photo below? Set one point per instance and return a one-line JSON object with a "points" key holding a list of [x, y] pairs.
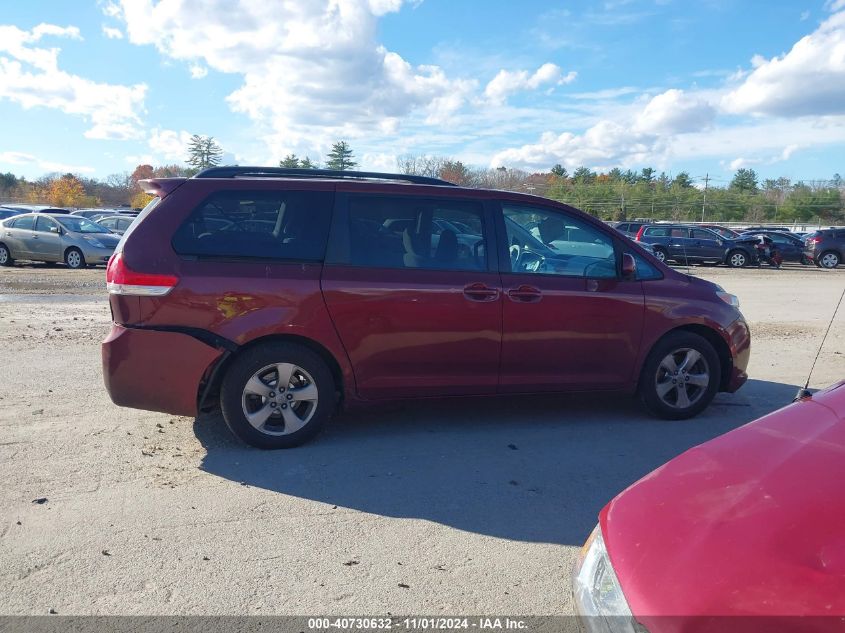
{"points": [[78, 224]]}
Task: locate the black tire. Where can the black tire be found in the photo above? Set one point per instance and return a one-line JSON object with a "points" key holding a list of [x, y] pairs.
{"points": [[6, 256], [829, 260], [653, 374], [737, 258], [233, 397], [71, 259], [660, 254]]}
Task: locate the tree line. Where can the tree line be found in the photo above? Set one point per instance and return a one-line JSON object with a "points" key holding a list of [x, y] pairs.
{"points": [[611, 195]]}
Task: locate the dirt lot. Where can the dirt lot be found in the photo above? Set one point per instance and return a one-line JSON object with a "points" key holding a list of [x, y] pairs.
{"points": [[461, 507]]}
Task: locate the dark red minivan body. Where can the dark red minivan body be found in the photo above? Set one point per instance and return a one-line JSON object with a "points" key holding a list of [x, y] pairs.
{"points": [[401, 289]]}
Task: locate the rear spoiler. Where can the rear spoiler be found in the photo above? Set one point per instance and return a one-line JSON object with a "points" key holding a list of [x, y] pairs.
{"points": [[160, 187]]}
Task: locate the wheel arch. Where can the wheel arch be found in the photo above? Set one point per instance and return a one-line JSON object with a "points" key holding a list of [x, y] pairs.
{"points": [[712, 336], [211, 385]]}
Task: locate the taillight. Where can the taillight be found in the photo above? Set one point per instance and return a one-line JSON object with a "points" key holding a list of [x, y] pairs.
{"points": [[639, 237], [121, 280], [813, 240]]}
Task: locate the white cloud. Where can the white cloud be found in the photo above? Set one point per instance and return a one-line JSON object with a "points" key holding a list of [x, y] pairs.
{"points": [[312, 72], [24, 159], [675, 111], [508, 82], [169, 145], [809, 80], [30, 76], [112, 33], [198, 71]]}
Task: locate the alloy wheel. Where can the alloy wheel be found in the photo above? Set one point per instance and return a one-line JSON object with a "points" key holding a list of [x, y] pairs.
{"points": [[4, 255], [279, 399], [74, 259], [738, 260], [682, 378], [830, 260]]}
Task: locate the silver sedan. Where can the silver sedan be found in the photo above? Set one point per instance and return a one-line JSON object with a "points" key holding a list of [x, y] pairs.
{"points": [[46, 237]]}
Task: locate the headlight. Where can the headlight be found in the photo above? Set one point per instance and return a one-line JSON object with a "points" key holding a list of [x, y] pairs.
{"points": [[93, 241], [727, 297], [598, 597]]}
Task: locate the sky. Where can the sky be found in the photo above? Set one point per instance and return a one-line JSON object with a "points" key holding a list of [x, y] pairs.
{"points": [[706, 86]]}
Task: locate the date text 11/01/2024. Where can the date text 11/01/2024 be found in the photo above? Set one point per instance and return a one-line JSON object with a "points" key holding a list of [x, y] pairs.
{"points": [[418, 623]]}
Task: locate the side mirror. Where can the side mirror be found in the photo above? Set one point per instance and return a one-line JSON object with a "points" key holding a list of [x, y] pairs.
{"points": [[629, 266]]}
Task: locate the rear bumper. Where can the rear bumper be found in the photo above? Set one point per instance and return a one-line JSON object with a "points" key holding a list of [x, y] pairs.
{"points": [[155, 370], [739, 340]]}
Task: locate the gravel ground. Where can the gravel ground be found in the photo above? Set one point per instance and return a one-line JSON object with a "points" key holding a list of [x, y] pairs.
{"points": [[454, 507]]}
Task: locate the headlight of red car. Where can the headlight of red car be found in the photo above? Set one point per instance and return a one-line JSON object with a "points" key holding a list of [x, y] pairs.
{"points": [[598, 596]]}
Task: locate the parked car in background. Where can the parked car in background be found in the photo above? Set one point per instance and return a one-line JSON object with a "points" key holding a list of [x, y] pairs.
{"points": [[117, 223], [790, 247], [628, 228], [722, 231], [281, 293], [741, 533], [825, 247], [692, 244], [8, 213], [46, 237], [781, 229], [33, 208]]}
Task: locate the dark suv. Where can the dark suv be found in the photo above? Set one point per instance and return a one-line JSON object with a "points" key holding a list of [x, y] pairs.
{"points": [[825, 247], [282, 293], [684, 243]]}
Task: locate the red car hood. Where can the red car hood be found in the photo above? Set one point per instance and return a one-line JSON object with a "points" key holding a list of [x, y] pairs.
{"points": [[750, 523]]}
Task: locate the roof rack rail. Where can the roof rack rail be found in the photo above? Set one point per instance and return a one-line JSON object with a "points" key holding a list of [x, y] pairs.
{"points": [[271, 172]]}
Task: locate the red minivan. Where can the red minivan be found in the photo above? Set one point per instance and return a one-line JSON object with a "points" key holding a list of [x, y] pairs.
{"points": [[741, 534], [280, 294]]}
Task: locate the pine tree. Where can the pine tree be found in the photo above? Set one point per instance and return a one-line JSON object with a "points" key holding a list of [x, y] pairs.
{"points": [[340, 158], [203, 151], [306, 163], [290, 161]]}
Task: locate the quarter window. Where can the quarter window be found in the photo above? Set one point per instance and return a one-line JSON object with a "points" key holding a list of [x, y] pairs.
{"points": [[286, 225], [551, 243], [26, 222], [391, 232]]}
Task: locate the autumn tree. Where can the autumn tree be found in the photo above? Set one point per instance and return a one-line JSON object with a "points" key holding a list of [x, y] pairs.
{"points": [[203, 151], [66, 191], [455, 171], [340, 158]]}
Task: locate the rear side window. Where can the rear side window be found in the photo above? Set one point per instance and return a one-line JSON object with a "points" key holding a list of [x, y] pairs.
{"points": [[407, 232], [701, 234], [25, 222], [285, 225], [657, 231]]}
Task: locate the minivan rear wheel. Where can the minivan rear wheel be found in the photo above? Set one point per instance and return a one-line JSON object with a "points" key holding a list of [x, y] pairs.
{"points": [[680, 377], [277, 395]]}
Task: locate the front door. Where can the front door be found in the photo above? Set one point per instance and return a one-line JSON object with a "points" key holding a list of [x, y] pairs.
{"points": [[46, 242], [569, 320], [416, 303], [707, 245]]}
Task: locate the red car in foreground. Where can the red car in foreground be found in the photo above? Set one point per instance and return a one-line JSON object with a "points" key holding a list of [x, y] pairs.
{"points": [[282, 293], [743, 533]]}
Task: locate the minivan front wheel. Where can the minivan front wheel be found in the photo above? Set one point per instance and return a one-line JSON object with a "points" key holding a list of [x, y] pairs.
{"points": [[277, 395], [680, 377], [74, 258]]}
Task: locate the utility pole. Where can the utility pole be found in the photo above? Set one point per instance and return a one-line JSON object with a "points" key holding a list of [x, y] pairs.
{"points": [[704, 202]]}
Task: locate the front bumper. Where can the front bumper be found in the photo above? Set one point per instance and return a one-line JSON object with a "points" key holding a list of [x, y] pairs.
{"points": [[94, 255], [739, 340], [155, 370]]}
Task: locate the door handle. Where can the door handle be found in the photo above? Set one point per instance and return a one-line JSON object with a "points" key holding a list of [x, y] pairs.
{"points": [[480, 292], [525, 294]]}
